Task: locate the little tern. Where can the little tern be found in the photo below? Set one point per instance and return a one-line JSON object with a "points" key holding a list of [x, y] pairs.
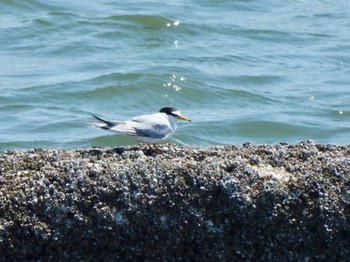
{"points": [[147, 129]]}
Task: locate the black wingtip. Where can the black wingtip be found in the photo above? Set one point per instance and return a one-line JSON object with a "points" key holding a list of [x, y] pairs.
{"points": [[102, 120]]}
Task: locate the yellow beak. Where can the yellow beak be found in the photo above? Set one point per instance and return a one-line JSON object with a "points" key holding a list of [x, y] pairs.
{"points": [[183, 118]]}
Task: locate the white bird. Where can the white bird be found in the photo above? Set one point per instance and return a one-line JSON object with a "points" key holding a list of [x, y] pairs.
{"points": [[147, 129]]}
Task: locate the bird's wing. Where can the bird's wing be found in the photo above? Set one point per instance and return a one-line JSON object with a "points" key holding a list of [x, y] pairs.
{"points": [[152, 118], [108, 122], [109, 125], [156, 131], [150, 126]]}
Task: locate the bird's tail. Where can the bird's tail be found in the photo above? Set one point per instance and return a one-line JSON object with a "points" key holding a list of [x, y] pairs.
{"points": [[105, 125], [102, 120]]}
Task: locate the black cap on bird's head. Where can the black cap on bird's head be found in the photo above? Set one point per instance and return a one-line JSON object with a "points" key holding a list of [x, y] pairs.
{"points": [[168, 110], [171, 111]]}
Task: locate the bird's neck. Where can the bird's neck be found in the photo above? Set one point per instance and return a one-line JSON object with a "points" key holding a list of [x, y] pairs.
{"points": [[173, 122]]}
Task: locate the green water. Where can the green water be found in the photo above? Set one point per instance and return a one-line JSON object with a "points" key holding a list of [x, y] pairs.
{"points": [[243, 71]]}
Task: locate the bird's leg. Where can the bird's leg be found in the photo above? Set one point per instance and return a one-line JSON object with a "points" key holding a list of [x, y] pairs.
{"points": [[154, 149]]}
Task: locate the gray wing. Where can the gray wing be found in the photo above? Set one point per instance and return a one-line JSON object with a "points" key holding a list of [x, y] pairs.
{"points": [[144, 126], [157, 131], [109, 123], [150, 126]]}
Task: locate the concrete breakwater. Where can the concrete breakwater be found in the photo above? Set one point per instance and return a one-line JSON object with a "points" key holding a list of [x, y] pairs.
{"points": [[226, 203]]}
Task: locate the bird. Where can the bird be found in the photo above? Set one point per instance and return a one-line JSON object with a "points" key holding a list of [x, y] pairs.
{"points": [[148, 129]]}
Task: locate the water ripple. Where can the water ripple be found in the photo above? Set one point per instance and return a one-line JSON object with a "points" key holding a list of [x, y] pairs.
{"points": [[242, 70]]}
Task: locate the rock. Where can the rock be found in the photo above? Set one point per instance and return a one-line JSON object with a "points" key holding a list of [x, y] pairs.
{"points": [[253, 203]]}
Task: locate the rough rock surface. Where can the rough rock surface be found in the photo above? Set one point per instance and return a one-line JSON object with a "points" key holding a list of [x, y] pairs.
{"points": [[250, 203]]}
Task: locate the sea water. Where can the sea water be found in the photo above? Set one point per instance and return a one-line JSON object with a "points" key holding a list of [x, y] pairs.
{"points": [[243, 71]]}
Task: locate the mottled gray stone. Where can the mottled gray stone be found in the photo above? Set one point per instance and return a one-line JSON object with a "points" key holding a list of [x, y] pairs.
{"points": [[224, 203]]}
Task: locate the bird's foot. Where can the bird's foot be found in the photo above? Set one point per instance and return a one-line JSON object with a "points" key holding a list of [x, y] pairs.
{"points": [[155, 149]]}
